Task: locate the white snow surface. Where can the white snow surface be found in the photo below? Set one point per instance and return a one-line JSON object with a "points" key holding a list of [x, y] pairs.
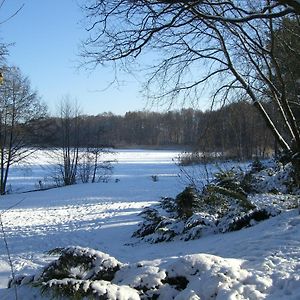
{"points": [[260, 262]]}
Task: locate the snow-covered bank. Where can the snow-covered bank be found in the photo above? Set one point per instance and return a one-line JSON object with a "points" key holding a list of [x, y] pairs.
{"points": [[261, 262]]}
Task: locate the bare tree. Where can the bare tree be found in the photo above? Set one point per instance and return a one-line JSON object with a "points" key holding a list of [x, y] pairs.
{"points": [[69, 134], [230, 44], [76, 160], [19, 106], [91, 168]]}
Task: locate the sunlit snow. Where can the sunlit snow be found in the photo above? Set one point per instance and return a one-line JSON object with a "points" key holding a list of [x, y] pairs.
{"points": [[261, 262]]}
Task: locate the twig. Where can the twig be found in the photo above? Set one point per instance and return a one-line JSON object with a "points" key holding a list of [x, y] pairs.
{"points": [[14, 14], [10, 207]]}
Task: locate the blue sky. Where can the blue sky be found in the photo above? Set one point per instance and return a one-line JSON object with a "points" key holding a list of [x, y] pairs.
{"points": [[47, 35]]}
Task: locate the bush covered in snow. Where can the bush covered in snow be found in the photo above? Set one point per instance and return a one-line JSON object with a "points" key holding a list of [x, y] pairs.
{"points": [[225, 204], [78, 274], [273, 177]]}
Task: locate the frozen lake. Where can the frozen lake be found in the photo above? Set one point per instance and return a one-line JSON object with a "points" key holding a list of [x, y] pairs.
{"points": [[128, 164]]}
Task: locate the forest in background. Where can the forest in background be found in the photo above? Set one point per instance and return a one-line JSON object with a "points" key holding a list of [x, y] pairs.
{"points": [[235, 131]]}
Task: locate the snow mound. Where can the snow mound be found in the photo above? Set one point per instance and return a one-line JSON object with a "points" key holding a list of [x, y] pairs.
{"points": [[99, 289], [266, 266], [197, 276]]}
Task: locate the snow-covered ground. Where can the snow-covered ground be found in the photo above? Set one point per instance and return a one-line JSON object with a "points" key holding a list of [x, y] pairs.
{"points": [[261, 262]]}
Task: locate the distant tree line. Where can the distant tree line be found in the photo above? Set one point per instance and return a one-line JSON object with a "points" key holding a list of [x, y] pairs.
{"points": [[234, 130]]}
